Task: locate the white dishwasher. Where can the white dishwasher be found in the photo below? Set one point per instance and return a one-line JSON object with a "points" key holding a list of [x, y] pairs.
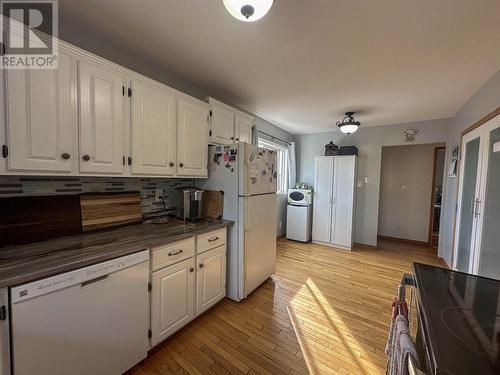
{"points": [[94, 320]]}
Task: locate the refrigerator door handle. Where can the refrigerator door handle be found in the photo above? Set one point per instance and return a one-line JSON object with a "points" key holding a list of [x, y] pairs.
{"points": [[246, 221]]}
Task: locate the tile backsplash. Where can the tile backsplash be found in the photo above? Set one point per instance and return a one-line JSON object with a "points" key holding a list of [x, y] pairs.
{"points": [[13, 186]]}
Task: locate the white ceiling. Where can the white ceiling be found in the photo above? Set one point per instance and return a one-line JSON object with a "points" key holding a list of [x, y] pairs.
{"points": [[308, 61]]}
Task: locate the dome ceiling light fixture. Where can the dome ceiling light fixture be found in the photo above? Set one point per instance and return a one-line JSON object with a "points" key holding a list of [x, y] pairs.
{"points": [[248, 10], [348, 125]]}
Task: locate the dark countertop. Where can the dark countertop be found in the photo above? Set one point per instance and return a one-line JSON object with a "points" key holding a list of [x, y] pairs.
{"points": [[26, 263], [460, 316]]}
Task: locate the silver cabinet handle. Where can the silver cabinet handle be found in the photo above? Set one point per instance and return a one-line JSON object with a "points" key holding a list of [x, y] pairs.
{"points": [[477, 207], [175, 253], [213, 239]]}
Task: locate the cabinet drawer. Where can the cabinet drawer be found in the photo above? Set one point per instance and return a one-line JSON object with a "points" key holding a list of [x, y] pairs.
{"points": [[163, 256], [211, 240]]}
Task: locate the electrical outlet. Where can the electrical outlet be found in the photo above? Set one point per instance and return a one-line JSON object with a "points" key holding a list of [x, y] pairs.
{"points": [[158, 194]]}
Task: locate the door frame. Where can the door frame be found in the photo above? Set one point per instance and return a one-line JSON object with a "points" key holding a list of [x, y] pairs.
{"points": [[469, 137], [464, 133], [433, 195]]}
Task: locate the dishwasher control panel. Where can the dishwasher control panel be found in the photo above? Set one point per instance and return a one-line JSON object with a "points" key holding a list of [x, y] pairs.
{"points": [[82, 275]]}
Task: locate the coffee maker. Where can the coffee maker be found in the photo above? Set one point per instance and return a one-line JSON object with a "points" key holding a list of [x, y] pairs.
{"points": [[190, 207]]}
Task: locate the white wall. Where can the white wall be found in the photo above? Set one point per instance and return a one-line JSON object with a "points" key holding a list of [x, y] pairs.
{"points": [[405, 191], [369, 141], [484, 101]]}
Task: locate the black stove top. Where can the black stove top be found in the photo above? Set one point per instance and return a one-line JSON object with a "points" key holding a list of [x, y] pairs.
{"points": [[460, 316]]}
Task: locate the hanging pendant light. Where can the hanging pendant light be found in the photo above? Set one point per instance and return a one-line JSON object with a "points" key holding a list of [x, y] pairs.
{"points": [[348, 125], [248, 10]]}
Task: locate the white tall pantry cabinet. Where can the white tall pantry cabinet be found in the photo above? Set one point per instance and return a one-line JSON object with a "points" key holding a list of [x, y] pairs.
{"points": [[334, 197]]}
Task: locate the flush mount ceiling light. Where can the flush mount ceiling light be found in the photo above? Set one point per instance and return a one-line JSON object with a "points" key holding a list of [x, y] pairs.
{"points": [[248, 10], [348, 125]]}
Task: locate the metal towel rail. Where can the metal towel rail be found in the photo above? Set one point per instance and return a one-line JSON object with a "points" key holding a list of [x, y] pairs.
{"points": [[405, 281]]}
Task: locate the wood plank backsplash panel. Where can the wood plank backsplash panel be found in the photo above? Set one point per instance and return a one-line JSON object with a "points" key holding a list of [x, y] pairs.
{"points": [[100, 211]]}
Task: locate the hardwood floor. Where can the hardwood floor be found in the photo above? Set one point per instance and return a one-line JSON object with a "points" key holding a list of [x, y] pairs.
{"points": [[326, 311]]}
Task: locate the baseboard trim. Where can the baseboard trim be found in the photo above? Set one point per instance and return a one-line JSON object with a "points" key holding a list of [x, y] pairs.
{"points": [[404, 240], [365, 246]]}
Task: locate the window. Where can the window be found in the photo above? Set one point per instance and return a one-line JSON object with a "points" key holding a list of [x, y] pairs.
{"points": [[282, 161]]}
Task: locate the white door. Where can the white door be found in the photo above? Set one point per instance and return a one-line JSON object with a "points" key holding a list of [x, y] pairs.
{"points": [[101, 96], [343, 200], [41, 117], [477, 238], [470, 176], [152, 130], [172, 299], [192, 142], [323, 199], [243, 128], [259, 239], [221, 125], [487, 257], [210, 278]]}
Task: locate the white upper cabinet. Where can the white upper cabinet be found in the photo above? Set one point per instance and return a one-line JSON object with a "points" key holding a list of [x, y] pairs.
{"points": [[243, 128], [192, 142], [41, 118], [93, 117], [221, 123], [152, 130], [228, 125], [102, 126]]}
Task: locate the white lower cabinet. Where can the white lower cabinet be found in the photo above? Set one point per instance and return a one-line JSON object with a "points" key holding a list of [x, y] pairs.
{"points": [[185, 288], [172, 299], [210, 278]]}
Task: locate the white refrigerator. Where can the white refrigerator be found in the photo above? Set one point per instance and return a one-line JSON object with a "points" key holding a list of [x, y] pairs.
{"points": [[247, 175]]}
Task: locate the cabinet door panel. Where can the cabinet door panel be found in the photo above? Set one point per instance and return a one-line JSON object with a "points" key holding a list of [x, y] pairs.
{"points": [[322, 212], [211, 278], [243, 126], [343, 200], [101, 119], [192, 142], [41, 117], [221, 125], [153, 130], [172, 303]]}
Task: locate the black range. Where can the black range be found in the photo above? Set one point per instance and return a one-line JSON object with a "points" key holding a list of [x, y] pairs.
{"points": [[459, 322]]}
